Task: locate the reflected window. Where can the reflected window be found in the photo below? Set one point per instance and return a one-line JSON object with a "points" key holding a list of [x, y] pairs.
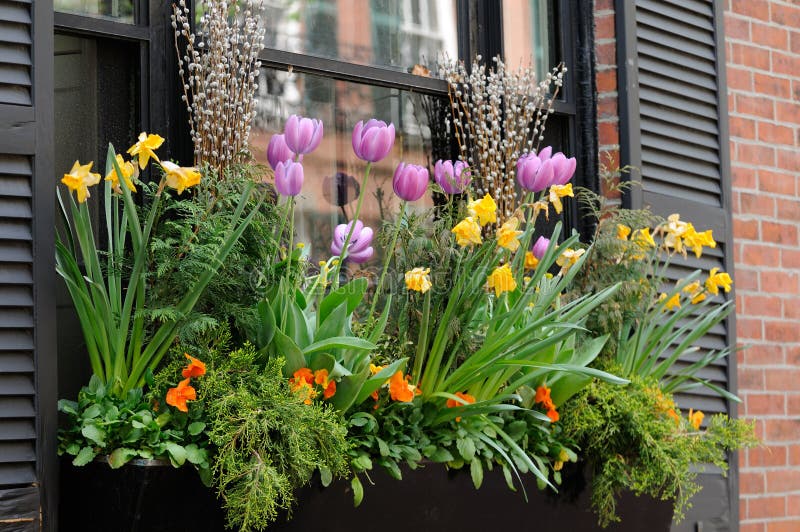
{"points": [[387, 33], [528, 36], [333, 173], [119, 10]]}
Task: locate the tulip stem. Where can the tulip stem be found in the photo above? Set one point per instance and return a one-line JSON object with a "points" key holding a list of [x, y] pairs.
{"points": [[388, 259], [290, 250], [343, 255]]}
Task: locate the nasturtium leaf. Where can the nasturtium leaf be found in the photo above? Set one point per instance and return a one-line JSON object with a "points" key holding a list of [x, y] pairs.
{"points": [[196, 428], [85, 456], [325, 476], [120, 456], [177, 453], [358, 491], [476, 471], [94, 434]]}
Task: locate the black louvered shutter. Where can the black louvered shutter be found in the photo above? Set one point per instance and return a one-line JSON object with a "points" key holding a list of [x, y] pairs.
{"points": [[673, 128], [27, 419]]}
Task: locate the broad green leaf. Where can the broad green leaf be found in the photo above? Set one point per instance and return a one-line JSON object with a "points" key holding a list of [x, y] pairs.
{"points": [[353, 293], [94, 434], [196, 455], [177, 453], [476, 471], [334, 324], [441, 455], [85, 456], [293, 356], [325, 476], [358, 491], [345, 342], [196, 428], [324, 361], [466, 448], [121, 456], [92, 412], [377, 380], [347, 390], [266, 324]]}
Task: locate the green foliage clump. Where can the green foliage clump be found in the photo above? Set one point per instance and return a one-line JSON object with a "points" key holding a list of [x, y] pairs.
{"points": [[635, 439], [268, 442], [183, 247]]}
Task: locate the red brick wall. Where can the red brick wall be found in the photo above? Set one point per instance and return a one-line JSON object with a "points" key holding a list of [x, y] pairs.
{"points": [[763, 56], [607, 96]]}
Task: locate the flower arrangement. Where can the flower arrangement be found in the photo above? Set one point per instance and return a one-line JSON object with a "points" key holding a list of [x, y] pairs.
{"points": [[484, 343]]}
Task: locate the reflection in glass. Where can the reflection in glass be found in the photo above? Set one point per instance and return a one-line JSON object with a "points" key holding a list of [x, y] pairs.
{"points": [[119, 10], [527, 35], [391, 33], [333, 173]]}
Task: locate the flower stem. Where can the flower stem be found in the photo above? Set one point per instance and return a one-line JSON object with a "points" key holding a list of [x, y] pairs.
{"points": [[343, 255], [388, 259]]}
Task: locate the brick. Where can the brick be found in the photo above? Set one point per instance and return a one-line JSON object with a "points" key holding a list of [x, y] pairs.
{"points": [[737, 27], [747, 279], [788, 209], [776, 182], [765, 404], [762, 305], [778, 282], [770, 36], [607, 106], [751, 482], [789, 159], [780, 380], [795, 42], [793, 505], [785, 64], [760, 255], [785, 15], [603, 5], [608, 132], [762, 507], [775, 134], [782, 331], [774, 86], [750, 379], [745, 229], [793, 401], [761, 355], [757, 154], [606, 54], [749, 9], [779, 233], [783, 480], [790, 258], [742, 128], [751, 527], [740, 79], [750, 56], [607, 81], [791, 310], [604, 27], [788, 112], [755, 105], [793, 355], [782, 526], [750, 328], [794, 455], [756, 204], [767, 456]]}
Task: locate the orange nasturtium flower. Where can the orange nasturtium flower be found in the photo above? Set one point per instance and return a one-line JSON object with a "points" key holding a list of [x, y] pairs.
{"points": [[196, 368], [79, 179], [302, 383], [543, 397], [127, 169], [180, 177], [468, 232], [400, 389], [484, 209], [671, 413], [143, 149], [508, 236], [178, 396], [696, 418], [465, 397], [502, 280], [328, 385]]}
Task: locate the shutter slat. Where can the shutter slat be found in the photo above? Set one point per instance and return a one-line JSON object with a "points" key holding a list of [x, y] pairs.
{"points": [[697, 17], [687, 135], [16, 384], [17, 452], [15, 273], [15, 12], [15, 230], [676, 73], [15, 33], [16, 363], [16, 296], [677, 58], [16, 429], [15, 54], [16, 252], [703, 96], [676, 37], [671, 104], [15, 407], [15, 340], [15, 208], [17, 473]]}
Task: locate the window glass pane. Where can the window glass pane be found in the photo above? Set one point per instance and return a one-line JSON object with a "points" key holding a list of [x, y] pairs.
{"points": [[390, 33], [333, 172], [528, 36], [119, 10]]}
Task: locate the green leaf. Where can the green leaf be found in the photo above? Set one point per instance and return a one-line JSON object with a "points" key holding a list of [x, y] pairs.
{"points": [[325, 476], [195, 455], [334, 324], [92, 412], [441, 455], [362, 463], [340, 342], [121, 456], [324, 361], [358, 491], [353, 293], [377, 380], [383, 447], [347, 390], [86, 455], [177, 453], [266, 324], [196, 428], [476, 471], [94, 434], [68, 407], [291, 353], [466, 448]]}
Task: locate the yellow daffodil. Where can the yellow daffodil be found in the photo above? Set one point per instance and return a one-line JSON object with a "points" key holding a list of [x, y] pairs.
{"points": [[143, 149], [508, 236], [560, 191], [538, 207], [127, 169], [696, 418], [531, 262], [672, 303], [623, 231], [502, 280], [644, 238], [568, 259], [418, 279], [374, 370], [179, 177], [695, 292], [484, 209], [467, 232], [674, 231], [696, 241], [79, 179], [716, 280]]}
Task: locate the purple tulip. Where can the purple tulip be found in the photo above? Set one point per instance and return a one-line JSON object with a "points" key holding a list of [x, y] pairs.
{"points": [[359, 249], [534, 174], [303, 135], [373, 141], [540, 247], [288, 178], [563, 168], [410, 181], [545, 153], [453, 178], [278, 151]]}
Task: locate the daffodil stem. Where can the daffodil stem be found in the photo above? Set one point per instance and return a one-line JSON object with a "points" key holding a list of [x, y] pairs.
{"points": [[343, 255], [388, 258]]}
